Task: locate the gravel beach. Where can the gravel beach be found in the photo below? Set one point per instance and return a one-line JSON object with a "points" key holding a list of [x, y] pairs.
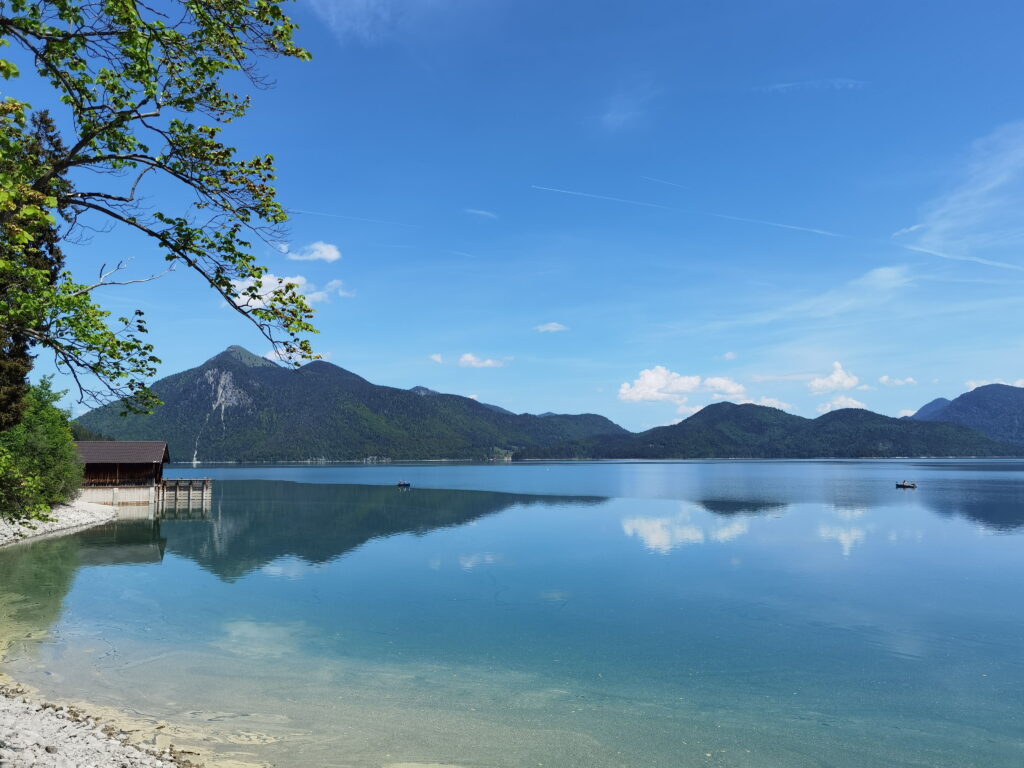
{"points": [[34, 734], [77, 514]]}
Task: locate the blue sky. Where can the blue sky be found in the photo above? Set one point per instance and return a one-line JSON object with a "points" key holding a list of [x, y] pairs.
{"points": [[637, 209]]}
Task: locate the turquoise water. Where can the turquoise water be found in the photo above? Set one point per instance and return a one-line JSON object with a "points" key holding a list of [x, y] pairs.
{"points": [[595, 614]]}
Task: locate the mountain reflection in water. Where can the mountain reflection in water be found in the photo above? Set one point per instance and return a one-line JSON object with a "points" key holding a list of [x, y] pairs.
{"points": [[254, 522]]}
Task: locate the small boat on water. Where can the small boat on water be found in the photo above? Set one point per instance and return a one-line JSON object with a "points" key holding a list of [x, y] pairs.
{"points": [[404, 484], [905, 484]]}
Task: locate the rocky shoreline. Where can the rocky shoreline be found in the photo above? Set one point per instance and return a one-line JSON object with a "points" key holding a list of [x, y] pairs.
{"points": [[65, 518], [37, 734]]}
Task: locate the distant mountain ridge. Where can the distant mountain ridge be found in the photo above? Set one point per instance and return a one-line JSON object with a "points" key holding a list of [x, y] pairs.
{"points": [[727, 430], [995, 410], [238, 406]]}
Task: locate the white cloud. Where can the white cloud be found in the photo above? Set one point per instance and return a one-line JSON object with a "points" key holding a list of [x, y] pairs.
{"points": [[847, 538], [724, 387], [659, 384], [979, 220], [730, 531], [840, 401], [318, 251], [905, 412], [662, 534], [771, 402], [838, 379], [469, 360], [888, 381], [729, 356], [437, 358], [270, 283], [551, 328], [473, 397], [480, 212], [469, 562]]}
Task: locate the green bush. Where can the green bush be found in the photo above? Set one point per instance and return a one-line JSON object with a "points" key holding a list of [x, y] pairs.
{"points": [[38, 463]]}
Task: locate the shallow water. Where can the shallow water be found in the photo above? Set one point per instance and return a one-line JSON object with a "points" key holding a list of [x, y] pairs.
{"points": [[596, 614]]}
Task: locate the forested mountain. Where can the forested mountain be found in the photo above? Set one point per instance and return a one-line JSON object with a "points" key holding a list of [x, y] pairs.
{"points": [[726, 430], [996, 410], [926, 411], [240, 407]]}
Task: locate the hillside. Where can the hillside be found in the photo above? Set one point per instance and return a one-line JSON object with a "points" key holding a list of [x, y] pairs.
{"points": [[995, 410], [726, 430], [240, 407]]}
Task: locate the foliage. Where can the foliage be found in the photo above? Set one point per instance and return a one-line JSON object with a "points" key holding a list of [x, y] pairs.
{"points": [[996, 410], [144, 92], [240, 407], [38, 463]]}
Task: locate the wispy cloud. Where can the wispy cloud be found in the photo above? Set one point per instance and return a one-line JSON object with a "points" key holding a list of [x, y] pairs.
{"points": [[825, 84], [318, 251], [981, 219], [889, 381], [627, 107], [437, 358], [368, 21], [469, 360], [480, 212], [551, 328], [875, 288], [975, 383]]}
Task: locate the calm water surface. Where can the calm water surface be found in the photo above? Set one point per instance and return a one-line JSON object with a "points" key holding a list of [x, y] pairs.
{"points": [[599, 614]]}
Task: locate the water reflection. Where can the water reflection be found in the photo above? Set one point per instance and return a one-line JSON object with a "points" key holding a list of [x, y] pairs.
{"points": [[255, 523]]}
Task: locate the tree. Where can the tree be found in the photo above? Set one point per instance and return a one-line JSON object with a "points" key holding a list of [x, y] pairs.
{"points": [[39, 466], [145, 97]]}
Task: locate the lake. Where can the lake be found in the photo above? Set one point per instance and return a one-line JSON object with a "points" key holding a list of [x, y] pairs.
{"points": [[720, 613]]}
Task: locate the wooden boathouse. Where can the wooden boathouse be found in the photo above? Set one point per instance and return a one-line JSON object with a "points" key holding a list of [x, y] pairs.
{"points": [[131, 473], [119, 463]]}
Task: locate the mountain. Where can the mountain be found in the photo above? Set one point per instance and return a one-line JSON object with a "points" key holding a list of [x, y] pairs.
{"points": [[726, 430], [930, 409], [995, 410], [240, 407], [425, 392]]}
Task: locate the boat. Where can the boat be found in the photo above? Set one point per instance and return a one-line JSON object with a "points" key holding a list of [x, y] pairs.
{"points": [[404, 484], [905, 484]]}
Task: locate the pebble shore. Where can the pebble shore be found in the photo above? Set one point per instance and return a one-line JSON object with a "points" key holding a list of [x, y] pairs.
{"points": [[35, 734], [77, 514]]}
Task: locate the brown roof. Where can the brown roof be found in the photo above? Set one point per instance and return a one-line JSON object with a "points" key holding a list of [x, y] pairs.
{"points": [[123, 452]]}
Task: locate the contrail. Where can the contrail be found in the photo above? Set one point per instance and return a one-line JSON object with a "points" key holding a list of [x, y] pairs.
{"points": [[824, 232], [663, 181], [350, 218], [603, 197]]}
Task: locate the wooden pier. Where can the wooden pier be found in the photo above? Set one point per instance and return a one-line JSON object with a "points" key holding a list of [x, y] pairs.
{"points": [[186, 492]]}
